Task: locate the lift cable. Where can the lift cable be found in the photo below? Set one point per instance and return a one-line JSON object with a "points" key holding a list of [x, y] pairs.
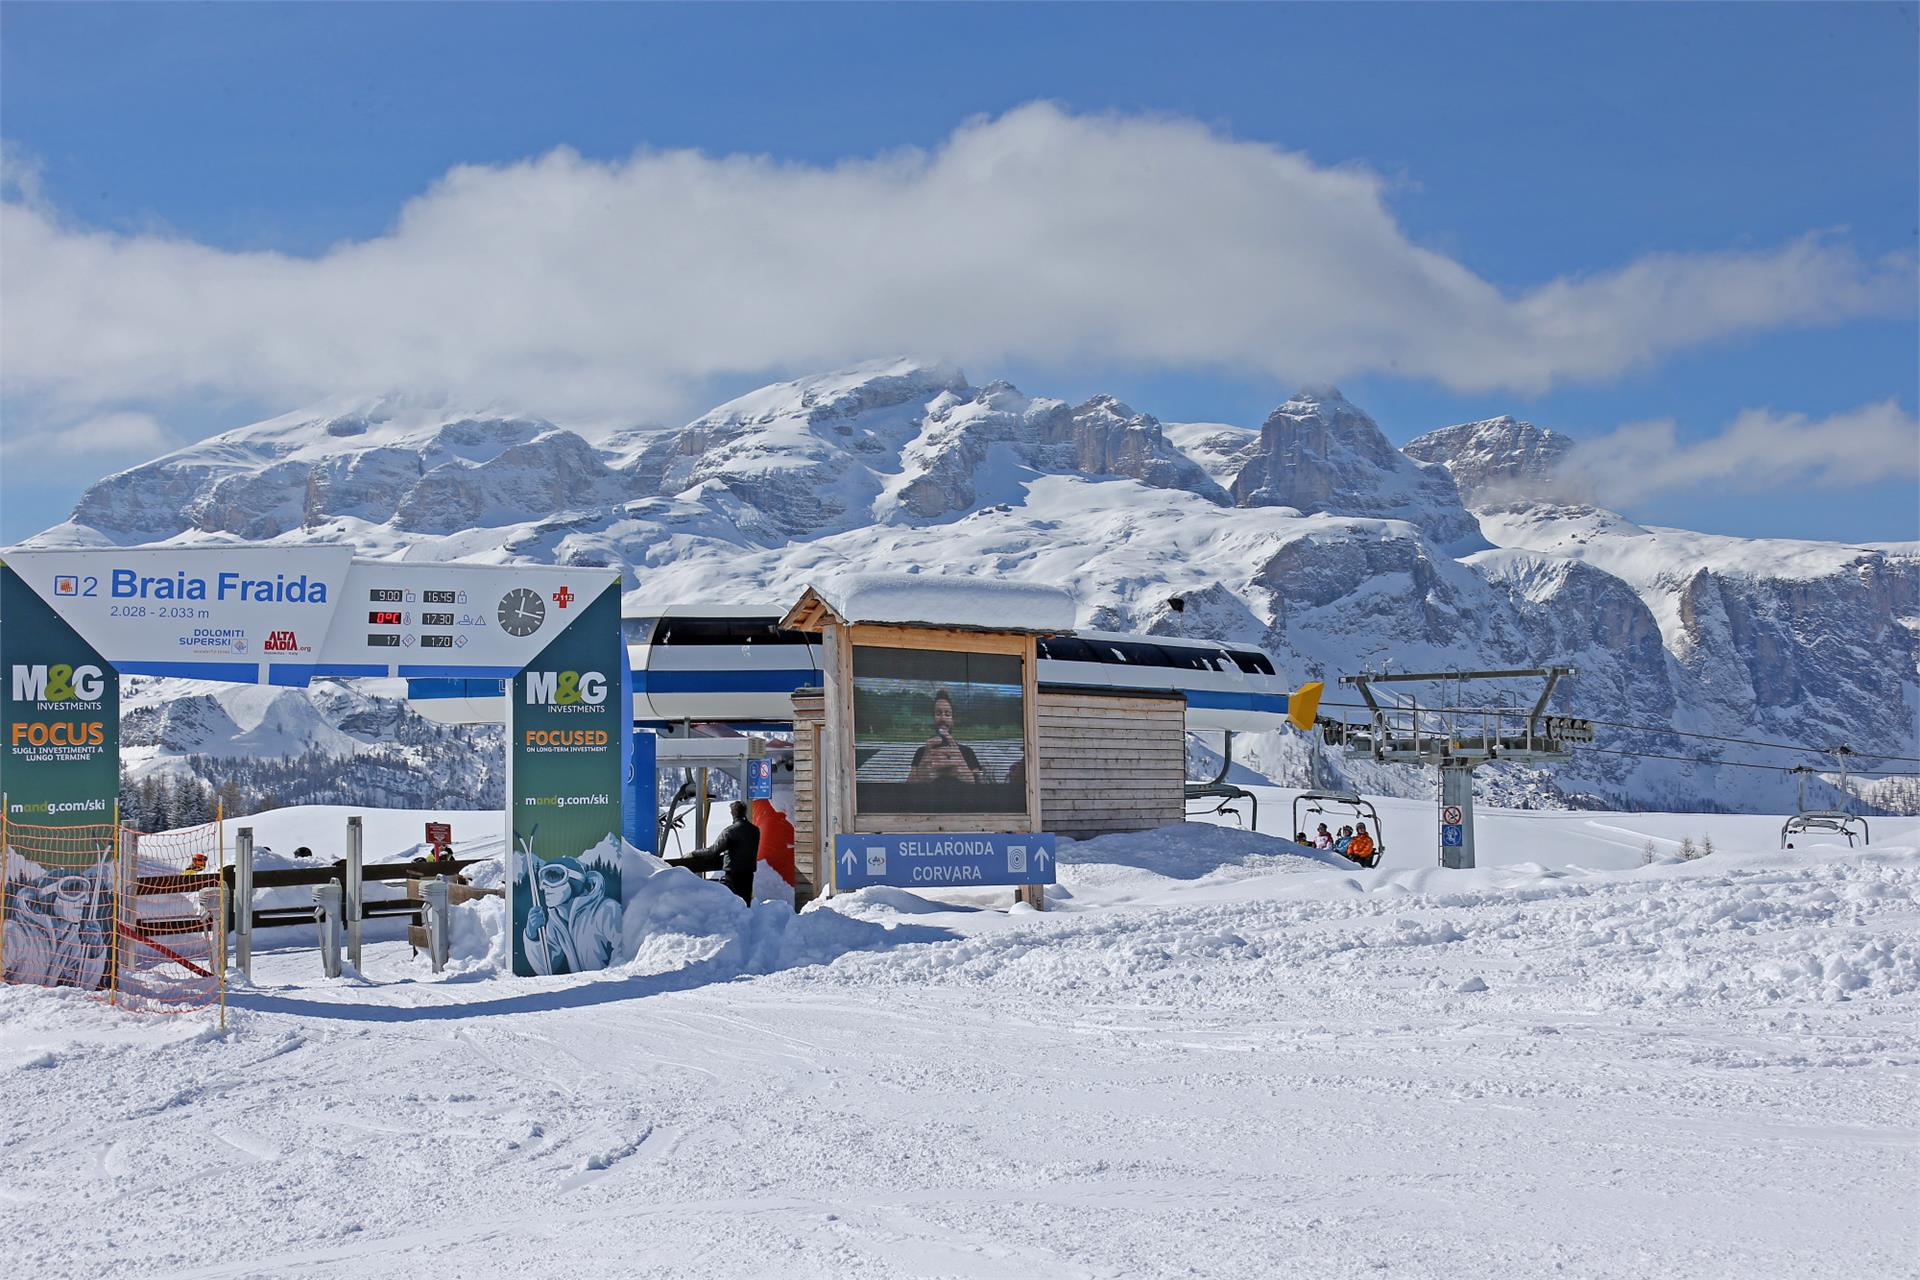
{"points": [[1742, 764], [1678, 733], [1754, 742]]}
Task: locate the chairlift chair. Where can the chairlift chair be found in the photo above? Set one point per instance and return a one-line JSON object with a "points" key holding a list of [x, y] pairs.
{"points": [[1351, 802], [1844, 824], [669, 822], [1228, 795], [1218, 788]]}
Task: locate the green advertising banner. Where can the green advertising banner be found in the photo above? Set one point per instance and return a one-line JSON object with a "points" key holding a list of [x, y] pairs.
{"points": [[59, 715], [567, 729]]}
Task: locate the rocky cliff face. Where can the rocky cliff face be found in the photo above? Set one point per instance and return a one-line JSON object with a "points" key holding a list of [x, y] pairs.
{"points": [[1313, 537], [1498, 459], [1319, 453]]}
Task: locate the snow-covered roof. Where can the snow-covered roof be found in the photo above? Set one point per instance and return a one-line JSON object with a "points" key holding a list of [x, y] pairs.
{"points": [[938, 600]]}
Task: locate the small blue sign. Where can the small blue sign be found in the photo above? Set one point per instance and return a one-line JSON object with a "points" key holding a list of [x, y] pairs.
{"points": [[1452, 835], [947, 860], [759, 779]]}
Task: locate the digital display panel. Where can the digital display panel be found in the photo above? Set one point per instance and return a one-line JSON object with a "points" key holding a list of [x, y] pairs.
{"points": [[384, 595], [383, 618], [937, 731], [436, 642], [379, 640], [438, 597], [436, 619]]}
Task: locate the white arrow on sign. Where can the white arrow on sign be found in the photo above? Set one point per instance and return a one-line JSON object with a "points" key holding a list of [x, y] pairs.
{"points": [[850, 860], [1040, 857]]}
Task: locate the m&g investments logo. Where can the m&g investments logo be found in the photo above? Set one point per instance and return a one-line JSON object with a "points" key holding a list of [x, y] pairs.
{"points": [[60, 691], [58, 682], [566, 688]]}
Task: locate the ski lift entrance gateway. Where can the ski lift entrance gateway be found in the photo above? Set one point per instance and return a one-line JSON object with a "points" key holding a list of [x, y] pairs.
{"points": [[1352, 803], [76, 620]]}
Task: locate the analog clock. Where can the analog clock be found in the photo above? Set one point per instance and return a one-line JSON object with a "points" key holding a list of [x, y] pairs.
{"points": [[521, 612]]}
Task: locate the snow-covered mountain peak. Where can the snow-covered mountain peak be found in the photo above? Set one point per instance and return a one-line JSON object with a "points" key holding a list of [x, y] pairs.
{"points": [[861, 388], [376, 459], [1499, 459], [1108, 406], [351, 424], [1320, 452]]}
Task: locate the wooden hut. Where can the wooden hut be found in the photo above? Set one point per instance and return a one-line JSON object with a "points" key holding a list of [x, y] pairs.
{"points": [[1066, 761]]}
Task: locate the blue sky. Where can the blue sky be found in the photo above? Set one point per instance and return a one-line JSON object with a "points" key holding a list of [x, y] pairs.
{"points": [[1523, 144]]}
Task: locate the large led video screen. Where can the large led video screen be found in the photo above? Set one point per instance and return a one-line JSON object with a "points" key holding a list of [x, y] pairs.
{"points": [[936, 731]]}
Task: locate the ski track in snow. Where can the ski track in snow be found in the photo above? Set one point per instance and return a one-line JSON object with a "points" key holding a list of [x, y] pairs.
{"points": [[1215, 1059]]}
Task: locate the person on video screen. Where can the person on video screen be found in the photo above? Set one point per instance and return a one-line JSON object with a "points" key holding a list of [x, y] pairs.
{"points": [[942, 759]]}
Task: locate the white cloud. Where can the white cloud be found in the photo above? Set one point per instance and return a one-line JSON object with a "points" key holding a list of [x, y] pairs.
{"points": [[123, 432], [1759, 450], [575, 287], [20, 177]]}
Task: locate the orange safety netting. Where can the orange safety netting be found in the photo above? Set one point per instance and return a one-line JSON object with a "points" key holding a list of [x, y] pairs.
{"points": [[172, 922], [140, 918]]}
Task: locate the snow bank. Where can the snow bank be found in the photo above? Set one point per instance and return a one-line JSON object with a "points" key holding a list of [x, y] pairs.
{"points": [[1188, 851], [675, 921], [1247, 909]]}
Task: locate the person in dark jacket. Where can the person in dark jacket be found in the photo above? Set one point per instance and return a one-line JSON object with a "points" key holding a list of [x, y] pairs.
{"points": [[735, 854]]}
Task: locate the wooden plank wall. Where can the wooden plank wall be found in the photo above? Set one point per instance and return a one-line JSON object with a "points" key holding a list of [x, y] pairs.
{"points": [[1111, 763], [1106, 764], [809, 713]]}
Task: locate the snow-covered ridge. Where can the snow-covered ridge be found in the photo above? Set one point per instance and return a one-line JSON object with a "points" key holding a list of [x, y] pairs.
{"points": [[1312, 537], [1645, 553]]}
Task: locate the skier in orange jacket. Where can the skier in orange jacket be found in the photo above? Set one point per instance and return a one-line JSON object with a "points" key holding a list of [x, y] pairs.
{"points": [[1360, 848]]}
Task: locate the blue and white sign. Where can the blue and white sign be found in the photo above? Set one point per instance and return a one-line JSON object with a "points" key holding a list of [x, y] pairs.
{"points": [[283, 615], [1451, 835], [759, 779], [947, 860]]}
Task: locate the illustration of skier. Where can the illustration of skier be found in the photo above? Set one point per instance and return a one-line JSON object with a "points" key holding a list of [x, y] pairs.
{"points": [[572, 925], [60, 931]]}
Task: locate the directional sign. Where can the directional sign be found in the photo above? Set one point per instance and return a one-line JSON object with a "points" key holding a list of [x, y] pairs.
{"points": [[1450, 815], [1452, 835], [283, 615], [213, 611], [759, 779], [943, 861]]}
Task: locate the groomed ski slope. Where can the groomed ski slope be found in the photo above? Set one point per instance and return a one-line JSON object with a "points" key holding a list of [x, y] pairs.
{"points": [[1215, 1057]]}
